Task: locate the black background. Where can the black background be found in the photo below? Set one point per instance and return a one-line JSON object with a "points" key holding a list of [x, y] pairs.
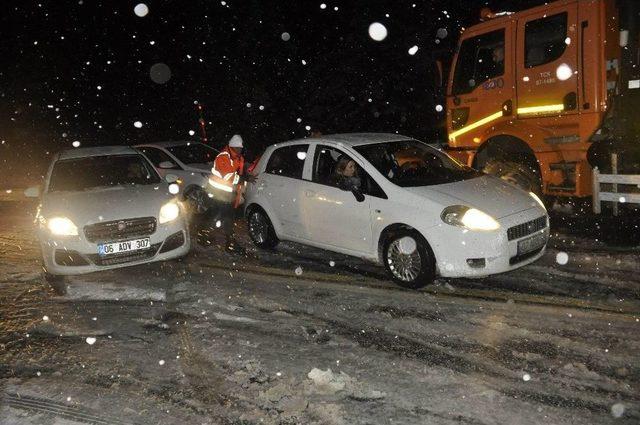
{"points": [[49, 94]]}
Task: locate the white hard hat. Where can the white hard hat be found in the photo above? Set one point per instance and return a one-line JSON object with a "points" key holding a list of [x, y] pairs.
{"points": [[235, 141]]}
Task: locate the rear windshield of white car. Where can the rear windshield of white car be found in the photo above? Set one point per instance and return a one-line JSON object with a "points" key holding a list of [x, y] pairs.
{"points": [[195, 153], [409, 163], [101, 171]]}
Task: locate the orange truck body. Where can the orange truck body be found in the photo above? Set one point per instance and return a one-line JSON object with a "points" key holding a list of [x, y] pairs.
{"points": [[550, 92]]}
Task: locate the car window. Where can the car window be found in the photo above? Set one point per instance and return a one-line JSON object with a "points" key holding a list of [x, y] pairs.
{"points": [[332, 167], [409, 163], [101, 171], [545, 39], [288, 161], [480, 58], [194, 153], [156, 156]]}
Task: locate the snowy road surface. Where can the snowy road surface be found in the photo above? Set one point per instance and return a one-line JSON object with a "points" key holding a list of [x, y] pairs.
{"points": [[305, 336]]}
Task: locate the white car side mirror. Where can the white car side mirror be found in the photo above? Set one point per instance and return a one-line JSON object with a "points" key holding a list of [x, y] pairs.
{"points": [[165, 165], [32, 192], [170, 178]]}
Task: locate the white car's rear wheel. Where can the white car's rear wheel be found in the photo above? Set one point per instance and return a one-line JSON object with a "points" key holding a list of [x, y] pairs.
{"points": [[261, 229], [409, 259]]}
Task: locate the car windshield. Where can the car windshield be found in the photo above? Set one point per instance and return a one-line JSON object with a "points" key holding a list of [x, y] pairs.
{"points": [[86, 173], [193, 153], [409, 163]]}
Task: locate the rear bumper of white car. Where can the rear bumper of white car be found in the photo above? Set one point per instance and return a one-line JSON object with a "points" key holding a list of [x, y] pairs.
{"points": [[78, 255], [521, 240]]}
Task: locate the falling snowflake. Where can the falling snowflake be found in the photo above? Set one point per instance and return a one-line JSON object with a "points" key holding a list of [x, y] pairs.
{"points": [[161, 362], [298, 119], [141, 10], [526, 377], [441, 33], [562, 258], [413, 50], [298, 271], [332, 263], [323, 6], [45, 318], [90, 340], [261, 107], [191, 132], [377, 31], [617, 410], [439, 108], [75, 144], [248, 104], [307, 127], [137, 124], [285, 36]]}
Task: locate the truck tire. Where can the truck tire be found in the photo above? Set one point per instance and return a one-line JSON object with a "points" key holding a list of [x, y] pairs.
{"points": [[516, 173]]}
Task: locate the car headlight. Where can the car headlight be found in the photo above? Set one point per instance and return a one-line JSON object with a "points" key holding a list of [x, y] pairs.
{"points": [[169, 212], [538, 200], [469, 218], [62, 226]]}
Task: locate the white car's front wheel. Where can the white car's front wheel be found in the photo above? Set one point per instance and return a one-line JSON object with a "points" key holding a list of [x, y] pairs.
{"points": [[408, 259]]}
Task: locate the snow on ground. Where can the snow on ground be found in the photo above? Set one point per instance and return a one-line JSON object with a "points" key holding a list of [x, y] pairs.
{"points": [[218, 338]]}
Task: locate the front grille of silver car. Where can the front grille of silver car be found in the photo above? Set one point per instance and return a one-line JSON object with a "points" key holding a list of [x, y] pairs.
{"points": [[111, 231], [528, 228]]}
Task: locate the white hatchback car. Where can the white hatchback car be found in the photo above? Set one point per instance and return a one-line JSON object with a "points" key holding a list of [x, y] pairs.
{"points": [[401, 203], [107, 207], [190, 161]]}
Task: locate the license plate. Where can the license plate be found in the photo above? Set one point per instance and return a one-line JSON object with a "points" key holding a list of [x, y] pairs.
{"points": [[532, 243], [124, 246]]}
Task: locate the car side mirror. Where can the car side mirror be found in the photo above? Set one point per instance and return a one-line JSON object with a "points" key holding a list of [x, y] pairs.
{"points": [[358, 194], [166, 165], [171, 178], [32, 192]]}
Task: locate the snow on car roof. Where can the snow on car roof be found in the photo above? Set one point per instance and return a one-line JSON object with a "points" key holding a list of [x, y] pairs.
{"points": [[169, 144], [352, 139], [97, 151]]}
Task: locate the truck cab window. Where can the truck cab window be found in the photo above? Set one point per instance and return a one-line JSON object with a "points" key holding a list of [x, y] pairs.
{"points": [[545, 39], [480, 58]]}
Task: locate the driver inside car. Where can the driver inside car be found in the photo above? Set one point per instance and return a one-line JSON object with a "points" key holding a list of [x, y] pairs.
{"points": [[346, 174]]}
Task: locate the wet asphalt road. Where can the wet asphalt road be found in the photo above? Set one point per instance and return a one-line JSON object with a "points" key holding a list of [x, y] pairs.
{"points": [[220, 339]]}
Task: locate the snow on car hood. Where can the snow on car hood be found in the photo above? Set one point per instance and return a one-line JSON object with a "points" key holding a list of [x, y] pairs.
{"points": [[486, 193], [114, 203]]}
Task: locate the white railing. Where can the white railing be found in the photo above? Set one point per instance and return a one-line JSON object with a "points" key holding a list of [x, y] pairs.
{"points": [[614, 196]]}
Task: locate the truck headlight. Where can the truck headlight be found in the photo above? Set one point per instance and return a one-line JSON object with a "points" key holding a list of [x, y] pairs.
{"points": [[62, 226], [469, 218], [169, 212], [538, 200]]}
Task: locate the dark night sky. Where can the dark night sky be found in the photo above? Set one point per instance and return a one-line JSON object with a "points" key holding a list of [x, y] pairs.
{"points": [[80, 71]]}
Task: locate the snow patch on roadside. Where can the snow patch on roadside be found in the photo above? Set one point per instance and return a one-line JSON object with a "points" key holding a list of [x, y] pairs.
{"points": [[109, 291]]}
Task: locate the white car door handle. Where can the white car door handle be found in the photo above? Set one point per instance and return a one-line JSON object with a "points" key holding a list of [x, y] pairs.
{"points": [[309, 193]]}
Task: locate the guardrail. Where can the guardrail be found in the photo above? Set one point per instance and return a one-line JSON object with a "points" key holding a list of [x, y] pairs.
{"points": [[614, 196]]}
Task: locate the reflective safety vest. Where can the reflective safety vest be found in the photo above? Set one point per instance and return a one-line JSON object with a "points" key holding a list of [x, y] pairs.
{"points": [[226, 171]]}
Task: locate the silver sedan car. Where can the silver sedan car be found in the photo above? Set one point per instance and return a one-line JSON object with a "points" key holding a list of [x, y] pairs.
{"points": [[107, 207]]}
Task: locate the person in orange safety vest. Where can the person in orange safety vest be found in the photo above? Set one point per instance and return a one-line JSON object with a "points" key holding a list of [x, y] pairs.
{"points": [[226, 184]]}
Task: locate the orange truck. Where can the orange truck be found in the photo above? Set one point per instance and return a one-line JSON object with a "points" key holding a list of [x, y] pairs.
{"points": [[542, 96]]}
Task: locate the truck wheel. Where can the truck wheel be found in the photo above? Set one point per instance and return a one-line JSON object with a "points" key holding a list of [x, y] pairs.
{"points": [[516, 173], [408, 259], [261, 229]]}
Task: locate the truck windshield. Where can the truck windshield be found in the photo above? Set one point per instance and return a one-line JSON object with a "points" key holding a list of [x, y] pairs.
{"points": [[409, 163], [194, 153], [101, 171], [480, 58]]}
